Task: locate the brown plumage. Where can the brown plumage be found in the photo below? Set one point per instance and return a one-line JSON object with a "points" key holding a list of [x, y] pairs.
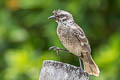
{"points": [[74, 40]]}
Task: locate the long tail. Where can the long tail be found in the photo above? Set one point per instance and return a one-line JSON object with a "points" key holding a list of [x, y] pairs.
{"points": [[89, 65]]}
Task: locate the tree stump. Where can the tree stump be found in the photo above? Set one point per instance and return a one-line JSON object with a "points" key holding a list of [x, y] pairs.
{"points": [[54, 70]]}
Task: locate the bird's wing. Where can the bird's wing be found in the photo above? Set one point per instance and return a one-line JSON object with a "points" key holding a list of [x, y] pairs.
{"points": [[79, 34]]}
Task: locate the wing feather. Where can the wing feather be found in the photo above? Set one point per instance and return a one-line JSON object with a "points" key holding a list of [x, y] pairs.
{"points": [[79, 34]]}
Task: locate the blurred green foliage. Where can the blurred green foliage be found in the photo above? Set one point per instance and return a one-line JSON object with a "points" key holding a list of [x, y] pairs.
{"points": [[26, 34]]}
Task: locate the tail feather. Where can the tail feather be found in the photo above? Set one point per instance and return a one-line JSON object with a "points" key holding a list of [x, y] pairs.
{"points": [[89, 65]]}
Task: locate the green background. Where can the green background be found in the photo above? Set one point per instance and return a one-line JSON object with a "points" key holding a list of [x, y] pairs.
{"points": [[26, 34]]}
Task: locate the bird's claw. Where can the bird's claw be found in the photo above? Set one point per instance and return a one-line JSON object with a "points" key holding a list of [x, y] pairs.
{"points": [[54, 48]]}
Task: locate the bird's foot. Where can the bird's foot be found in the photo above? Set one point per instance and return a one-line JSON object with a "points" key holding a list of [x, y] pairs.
{"points": [[54, 48], [81, 68], [57, 49]]}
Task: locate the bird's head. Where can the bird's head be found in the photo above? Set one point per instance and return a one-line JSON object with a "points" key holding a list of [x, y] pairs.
{"points": [[61, 16]]}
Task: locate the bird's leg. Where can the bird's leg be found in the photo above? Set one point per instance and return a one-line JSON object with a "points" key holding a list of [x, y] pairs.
{"points": [[57, 49], [81, 68]]}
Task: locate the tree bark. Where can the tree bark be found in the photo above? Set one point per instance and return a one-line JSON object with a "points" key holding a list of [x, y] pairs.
{"points": [[53, 70]]}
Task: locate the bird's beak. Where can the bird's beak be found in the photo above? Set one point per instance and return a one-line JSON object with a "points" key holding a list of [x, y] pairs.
{"points": [[52, 17]]}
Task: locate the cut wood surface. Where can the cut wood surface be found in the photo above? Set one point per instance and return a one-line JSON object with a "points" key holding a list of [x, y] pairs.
{"points": [[54, 70]]}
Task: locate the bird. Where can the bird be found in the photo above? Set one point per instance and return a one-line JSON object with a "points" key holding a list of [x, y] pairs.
{"points": [[74, 40]]}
